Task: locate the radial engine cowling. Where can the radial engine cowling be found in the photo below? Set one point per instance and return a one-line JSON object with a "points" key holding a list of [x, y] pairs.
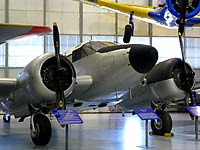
{"points": [[192, 9], [37, 82], [170, 79]]}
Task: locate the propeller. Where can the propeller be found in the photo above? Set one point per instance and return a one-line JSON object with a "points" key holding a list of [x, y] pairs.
{"points": [[188, 74], [60, 99]]}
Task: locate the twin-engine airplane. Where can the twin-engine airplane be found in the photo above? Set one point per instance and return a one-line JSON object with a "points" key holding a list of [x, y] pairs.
{"points": [[92, 75], [167, 14]]}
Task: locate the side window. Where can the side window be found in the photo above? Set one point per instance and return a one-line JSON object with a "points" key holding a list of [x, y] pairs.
{"points": [[76, 55], [69, 58], [82, 52]]}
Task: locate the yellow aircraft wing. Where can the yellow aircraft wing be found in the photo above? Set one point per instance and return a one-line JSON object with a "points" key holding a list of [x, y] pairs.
{"points": [[160, 16], [140, 11], [197, 17], [15, 31]]}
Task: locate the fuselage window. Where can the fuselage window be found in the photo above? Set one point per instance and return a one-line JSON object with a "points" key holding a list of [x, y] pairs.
{"points": [[82, 52], [78, 54]]}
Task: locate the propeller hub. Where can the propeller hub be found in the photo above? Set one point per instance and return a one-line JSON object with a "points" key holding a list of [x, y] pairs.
{"points": [[50, 74], [183, 76]]}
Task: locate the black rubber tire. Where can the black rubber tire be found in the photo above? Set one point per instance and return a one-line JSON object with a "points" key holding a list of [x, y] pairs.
{"points": [[127, 33], [6, 119], [162, 126], [43, 132]]}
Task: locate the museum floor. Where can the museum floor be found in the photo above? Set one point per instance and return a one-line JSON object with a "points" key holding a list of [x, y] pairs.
{"points": [[103, 132]]}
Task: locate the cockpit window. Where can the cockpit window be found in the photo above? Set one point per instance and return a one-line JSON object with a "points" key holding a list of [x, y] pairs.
{"points": [[97, 45], [89, 49]]}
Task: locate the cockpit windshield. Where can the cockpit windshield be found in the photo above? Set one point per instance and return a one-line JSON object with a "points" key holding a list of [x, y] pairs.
{"points": [[89, 49], [97, 45]]}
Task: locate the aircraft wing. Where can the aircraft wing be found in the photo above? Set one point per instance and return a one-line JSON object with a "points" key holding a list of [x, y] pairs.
{"points": [[139, 11], [15, 31], [7, 85], [156, 15]]}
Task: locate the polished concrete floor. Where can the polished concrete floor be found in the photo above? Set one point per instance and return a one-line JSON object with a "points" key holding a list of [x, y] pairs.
{"points": [[103, 132]]}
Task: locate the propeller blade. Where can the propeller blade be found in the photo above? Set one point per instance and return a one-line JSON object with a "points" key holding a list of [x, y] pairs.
{"points": [[183, 4], [182, 18], [60, 99], [56, 41]]}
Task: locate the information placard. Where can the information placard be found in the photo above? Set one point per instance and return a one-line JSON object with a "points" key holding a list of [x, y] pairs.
{"points": [[67, 116], [194, 110], [146, 114]]}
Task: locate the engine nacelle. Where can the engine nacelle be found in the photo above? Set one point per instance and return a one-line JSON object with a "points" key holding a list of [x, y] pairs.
{"points": [[36, 83], [170, 78], [192, 9]]}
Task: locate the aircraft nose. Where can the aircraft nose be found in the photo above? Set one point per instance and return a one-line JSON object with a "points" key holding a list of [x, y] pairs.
{"points": [[143, 57]]}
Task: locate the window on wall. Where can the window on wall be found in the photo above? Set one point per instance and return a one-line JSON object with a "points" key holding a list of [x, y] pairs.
{"points": [[22, 51], [66, 42], [2, 55], [168, 47], [193, 52]]}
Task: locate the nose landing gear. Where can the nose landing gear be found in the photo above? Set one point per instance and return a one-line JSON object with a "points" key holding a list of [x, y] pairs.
{"points": [[40, 128]]}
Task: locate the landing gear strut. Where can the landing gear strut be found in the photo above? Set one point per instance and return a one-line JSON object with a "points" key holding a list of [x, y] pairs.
{"points": [[40, 128]]}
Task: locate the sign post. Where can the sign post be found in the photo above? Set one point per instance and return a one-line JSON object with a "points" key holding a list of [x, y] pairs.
{"points": [[146, 114], [195, 111], [66, 117]]}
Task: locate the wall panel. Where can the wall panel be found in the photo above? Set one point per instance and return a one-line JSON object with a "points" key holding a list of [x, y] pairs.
{"points": [[26, 5], [54, 5], [2, 10], [70, 23], [2, 16], [134, 2], [192, 32], [26, 17], [162, 31], [13, 72], [70, 6], [1, 72], [2, 4], [91, 23]]}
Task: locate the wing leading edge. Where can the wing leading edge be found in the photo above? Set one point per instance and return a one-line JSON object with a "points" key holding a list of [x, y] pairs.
{"points": [[7, 85], [160, 16], [15, 31]]}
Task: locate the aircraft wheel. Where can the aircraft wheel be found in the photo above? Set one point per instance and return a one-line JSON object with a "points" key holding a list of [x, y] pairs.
{"points": [[42, 133], [6, 118], [162, 126], [127, 33]]}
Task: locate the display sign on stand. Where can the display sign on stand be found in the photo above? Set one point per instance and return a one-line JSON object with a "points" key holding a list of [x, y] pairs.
{"points": [[146, 114], [67, 116], [195, 111]]}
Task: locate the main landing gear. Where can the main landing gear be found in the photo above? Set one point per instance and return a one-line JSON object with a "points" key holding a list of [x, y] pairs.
{"points": [[6, 118], [40, 128], [162, 126]]}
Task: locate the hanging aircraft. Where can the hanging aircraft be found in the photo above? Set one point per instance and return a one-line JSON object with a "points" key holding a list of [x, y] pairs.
{"points": [[92, 75], [166, 14]]}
